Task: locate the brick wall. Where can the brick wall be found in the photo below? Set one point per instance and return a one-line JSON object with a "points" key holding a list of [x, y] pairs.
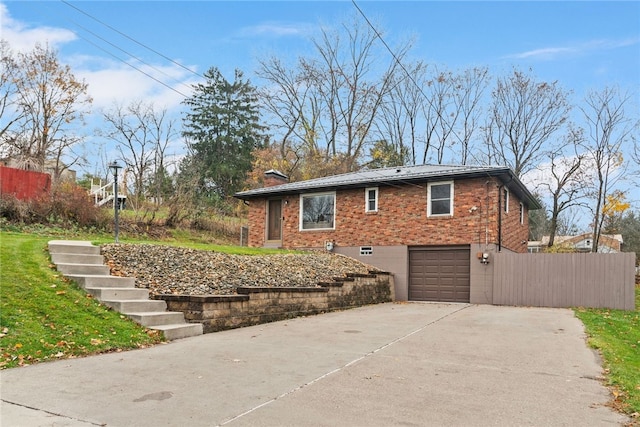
{"points": [[401, 219], [253, 306]]}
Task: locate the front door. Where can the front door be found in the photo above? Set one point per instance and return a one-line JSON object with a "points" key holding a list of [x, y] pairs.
{"points": [[274, 220]]}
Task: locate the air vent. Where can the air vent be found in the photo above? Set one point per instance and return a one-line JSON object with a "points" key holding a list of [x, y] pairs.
{"points": [[366, 250]]}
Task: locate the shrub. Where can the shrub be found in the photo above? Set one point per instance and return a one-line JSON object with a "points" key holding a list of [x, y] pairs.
{"points": [[13, 209], [66, 203]]}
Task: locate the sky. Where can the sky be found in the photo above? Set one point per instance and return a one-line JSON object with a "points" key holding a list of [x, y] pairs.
{"points": [[583, 45]]}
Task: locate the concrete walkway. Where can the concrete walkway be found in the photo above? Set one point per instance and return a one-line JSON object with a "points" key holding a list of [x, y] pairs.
{"points": [[406, 364]]}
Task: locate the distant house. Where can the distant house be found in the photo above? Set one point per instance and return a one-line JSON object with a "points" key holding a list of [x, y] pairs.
{"points": [[49, 167], [609, 243], [433, 226]]}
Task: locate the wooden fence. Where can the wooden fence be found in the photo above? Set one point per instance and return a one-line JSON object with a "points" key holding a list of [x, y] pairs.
{"points": [[23, 184], [565, 280]]}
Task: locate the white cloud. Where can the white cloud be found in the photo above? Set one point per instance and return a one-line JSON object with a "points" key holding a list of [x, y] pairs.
{"points": [[274, 29], [119, 83], [23, 38], [109, 80], [551, 53]]}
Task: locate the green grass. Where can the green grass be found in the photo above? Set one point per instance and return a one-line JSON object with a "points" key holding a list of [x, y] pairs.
{"points": [[616, 335], [45, 317]]}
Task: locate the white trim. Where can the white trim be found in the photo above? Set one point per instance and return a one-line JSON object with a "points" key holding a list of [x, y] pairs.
{"points": [[307, 195], [505, 200], [366, 199], [451, 186], [521, 213]]}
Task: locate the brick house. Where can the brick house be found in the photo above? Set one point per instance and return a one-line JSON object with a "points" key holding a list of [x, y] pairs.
{"points": [[433, 226]]}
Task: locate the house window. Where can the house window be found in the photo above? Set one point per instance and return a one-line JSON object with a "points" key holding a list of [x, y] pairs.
{"points": [[440, 199], [371, 199], [521, 213], [317, 211], [505, 199]]}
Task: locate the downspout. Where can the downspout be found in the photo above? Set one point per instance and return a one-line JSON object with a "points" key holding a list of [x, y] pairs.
{"points": [[500, 187]]}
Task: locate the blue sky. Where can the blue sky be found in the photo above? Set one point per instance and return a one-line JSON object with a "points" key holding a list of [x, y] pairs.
{"points": [[584, 45]]}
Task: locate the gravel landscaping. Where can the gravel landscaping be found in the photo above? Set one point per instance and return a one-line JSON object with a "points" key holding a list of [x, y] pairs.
{"points": [[183, 271]]}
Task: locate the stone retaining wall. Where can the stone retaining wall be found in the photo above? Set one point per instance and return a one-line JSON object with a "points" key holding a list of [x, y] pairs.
{"points": [[255, 305]]}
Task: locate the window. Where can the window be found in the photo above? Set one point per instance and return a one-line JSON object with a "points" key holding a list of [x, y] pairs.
{"points": [[505, 199], [371, 199], [521, 213], [440, 199], [317, 211], [366, 250]]}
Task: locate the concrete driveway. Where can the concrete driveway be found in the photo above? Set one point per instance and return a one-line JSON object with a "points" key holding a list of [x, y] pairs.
{"points": [[408, 364]]}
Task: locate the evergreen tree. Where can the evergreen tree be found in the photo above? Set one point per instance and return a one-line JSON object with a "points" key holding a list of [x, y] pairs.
{"points": [[222, 129]]}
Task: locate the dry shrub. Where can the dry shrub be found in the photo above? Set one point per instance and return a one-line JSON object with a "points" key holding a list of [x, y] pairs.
{"points": [[66, 203], [14, 210]]}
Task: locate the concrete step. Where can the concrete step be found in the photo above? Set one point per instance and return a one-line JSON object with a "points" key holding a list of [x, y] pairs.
{"points": [[115, 294], [73, 247], [155, 318], [100, 281], [182, 330], [81, 262], [136, 306], [94, 270], [60, 258]]}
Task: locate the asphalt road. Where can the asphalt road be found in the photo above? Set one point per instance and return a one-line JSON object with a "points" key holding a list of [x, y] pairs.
{"points": [[396, 364]]}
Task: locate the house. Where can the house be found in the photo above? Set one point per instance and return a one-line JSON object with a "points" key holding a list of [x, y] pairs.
{"points": [[49, 167], [434, 227], [608, 244]]}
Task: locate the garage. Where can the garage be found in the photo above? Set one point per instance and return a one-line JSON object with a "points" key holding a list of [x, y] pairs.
{"points": [[439, 274]]}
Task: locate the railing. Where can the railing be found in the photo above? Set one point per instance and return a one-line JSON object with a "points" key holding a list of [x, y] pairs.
{"points": [[102, 195]]}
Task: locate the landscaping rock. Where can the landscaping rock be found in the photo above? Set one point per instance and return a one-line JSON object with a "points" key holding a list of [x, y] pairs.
{"points": [[183, 271]]}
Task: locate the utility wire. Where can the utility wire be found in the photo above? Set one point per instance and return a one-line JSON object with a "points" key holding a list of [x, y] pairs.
{"points": [[132, 39], [395, 57], [136, 68], [128, 53]]}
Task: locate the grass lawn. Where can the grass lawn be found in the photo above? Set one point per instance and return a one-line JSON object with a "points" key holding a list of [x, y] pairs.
{"points": [[45, 317], [616, 335]]}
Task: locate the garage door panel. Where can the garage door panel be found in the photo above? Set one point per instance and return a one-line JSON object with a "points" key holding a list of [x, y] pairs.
{"points": [[439, 275]]}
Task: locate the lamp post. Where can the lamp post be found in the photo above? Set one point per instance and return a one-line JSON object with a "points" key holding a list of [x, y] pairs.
{"points": [[114, 167]]}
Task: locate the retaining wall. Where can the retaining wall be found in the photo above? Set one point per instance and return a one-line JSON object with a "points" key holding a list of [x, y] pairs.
{"points": [[253, 305]]}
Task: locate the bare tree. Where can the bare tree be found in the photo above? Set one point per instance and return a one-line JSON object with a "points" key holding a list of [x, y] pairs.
{"points": [[287, 99], [10, 113], [401, 110], [48, 101], [566, 182], [330, 103], [524, 115], [471, 86], [141, 133], [452, 112], [440, 114], [608, 130]]}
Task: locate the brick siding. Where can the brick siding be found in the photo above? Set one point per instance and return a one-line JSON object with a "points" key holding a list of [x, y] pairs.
{"points": [[402, 219]]}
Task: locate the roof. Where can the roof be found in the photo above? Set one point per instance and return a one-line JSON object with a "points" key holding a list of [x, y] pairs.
{"points": [[396, 176], [577, 238]]}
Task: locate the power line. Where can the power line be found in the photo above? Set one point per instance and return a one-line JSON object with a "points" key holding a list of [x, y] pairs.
{"points": [[128, 53], [132, 39], [136, 68], [397, 60]]}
